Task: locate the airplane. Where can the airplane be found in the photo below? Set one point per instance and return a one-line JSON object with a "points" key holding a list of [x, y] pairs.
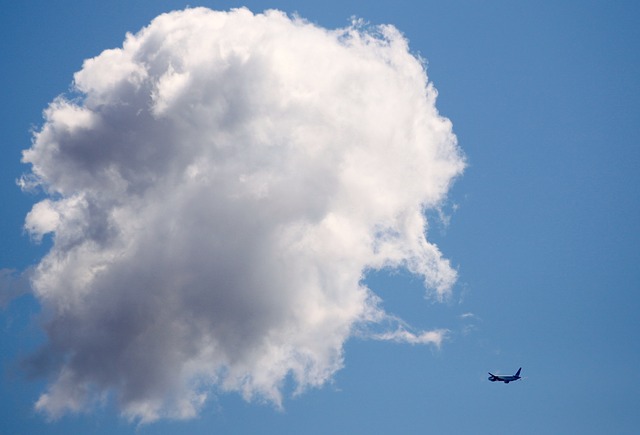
{"points": [[505, 378]]}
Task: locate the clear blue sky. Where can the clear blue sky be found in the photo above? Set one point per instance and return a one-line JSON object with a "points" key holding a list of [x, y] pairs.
{"points": [[543, 230]]}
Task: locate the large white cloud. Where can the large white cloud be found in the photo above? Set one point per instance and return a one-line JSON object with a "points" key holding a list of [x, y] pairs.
{"points": [[218, 188]]}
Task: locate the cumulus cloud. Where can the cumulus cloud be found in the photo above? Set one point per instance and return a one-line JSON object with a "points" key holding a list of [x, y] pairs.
{"points": [[218, 187]]}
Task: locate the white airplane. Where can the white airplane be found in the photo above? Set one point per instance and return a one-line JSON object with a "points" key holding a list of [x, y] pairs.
{"points": [[505, 378]]}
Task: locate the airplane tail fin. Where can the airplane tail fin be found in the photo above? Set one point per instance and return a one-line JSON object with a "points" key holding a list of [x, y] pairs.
{"points": [[518, 372]]}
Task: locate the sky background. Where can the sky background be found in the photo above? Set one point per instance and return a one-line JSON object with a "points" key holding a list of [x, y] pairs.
{"points": [[542, 226]]}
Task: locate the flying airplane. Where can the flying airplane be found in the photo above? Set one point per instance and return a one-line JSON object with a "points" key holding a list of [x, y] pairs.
{"points": [[505, 378]]}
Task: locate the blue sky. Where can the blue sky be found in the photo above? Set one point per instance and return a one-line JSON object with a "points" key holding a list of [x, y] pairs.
{"points": [[542, 230]]}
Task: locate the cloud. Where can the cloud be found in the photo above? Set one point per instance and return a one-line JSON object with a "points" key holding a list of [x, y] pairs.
{"points": [[13, 284], [218, 189], [401, 335], [470, 321]]}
